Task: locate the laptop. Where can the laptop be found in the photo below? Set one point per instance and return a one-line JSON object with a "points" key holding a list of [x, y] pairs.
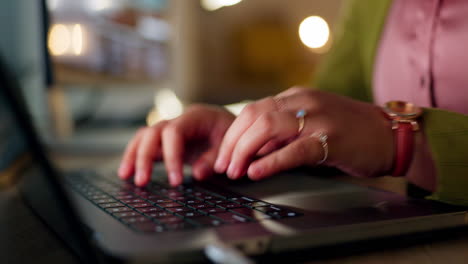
{"points": [[103, 219]]}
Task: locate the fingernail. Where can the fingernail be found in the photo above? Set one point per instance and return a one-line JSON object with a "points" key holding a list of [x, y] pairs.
{"points": [[220, 165], [139, 178], [233, 172], [255, 172], [174, 178], [123, 170]]}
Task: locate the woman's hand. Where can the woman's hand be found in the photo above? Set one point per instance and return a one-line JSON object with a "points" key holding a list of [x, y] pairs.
{"points": [[360, 138], [193, 137]]}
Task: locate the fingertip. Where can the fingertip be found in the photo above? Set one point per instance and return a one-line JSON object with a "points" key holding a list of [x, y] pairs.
{"points": [[124, 171], [175, 178], [255, 172], [220, 165], [139, 178], [202, 171]]}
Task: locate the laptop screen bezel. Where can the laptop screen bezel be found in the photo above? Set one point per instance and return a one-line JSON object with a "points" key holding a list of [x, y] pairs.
{"points": [[62, 219]]}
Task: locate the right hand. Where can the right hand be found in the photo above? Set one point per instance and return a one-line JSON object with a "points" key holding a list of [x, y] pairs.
{"points": [[200, 129]]}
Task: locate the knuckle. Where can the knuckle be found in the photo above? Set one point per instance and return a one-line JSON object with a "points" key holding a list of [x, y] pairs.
{"points": [[171, 129], [267, 121], [249, 110]]}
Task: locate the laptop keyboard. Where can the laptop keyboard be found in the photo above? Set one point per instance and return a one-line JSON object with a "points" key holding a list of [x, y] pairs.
{"points": [[158, 208]]}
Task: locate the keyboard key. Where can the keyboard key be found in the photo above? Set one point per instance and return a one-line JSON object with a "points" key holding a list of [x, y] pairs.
{"points": [[99, 196], [179, 209], [231, 217], [161, 200], [139, 205], [157, 215], [256, 204], [103, 201], [207, 221], [169, 205], [110, 205], [149, 209], [245, 199], [149, 227], [191, 201], [181, 198], [124, 197], [129, 201], [213, 210], [200, 206], [216, 201], [118, 209], [119, 193], [250, 213], [276, 212], [229, 205], [127, 214], [189, 214], [199, 194]]}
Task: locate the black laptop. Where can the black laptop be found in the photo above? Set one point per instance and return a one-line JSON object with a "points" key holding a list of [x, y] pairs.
{"points": [[104, 219]]}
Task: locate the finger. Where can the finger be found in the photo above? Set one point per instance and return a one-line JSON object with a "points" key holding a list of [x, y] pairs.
{"points": [[291, 91], [269, 147], [247, 117], [173, 151], [127, 165], [273, 125], [203, 167], [148, 151], [303, 151]]}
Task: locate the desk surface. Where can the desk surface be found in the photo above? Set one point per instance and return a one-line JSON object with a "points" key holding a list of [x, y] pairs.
{"points": [[24, 238]]}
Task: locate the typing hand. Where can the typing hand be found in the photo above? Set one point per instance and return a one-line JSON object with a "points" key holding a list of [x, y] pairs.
{"points": [[359, 138], [193, 137]]}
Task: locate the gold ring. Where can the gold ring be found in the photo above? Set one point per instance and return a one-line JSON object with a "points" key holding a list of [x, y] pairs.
{"points": [[300, 115]]}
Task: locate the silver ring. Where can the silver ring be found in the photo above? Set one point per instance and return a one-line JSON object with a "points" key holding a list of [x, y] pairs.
{"points": [[322, 138], [300, 115]]}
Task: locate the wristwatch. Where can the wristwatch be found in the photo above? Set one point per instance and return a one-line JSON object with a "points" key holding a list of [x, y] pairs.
{"points": [[404, 117]]}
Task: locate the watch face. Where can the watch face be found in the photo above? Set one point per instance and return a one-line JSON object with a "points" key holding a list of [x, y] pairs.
{"points": [[402, 109]]}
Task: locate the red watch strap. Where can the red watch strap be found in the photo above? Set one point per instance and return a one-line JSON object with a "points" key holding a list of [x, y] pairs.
{"points": [[404, 147]]}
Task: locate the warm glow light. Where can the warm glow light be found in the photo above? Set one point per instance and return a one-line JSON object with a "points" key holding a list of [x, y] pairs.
{"points": [[77, 39], [59, 40], [212, 5], [167, 104], [314, 32]]}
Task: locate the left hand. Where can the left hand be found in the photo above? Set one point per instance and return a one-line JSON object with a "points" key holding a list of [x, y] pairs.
{"points": [[360, 138]]}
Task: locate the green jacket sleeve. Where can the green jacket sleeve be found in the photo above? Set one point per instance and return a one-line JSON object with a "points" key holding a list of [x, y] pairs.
{"points": [[447, 135], [348, 68]]}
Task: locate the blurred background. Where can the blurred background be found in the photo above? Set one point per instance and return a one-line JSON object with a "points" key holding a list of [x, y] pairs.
{"points": [[92, 70]]}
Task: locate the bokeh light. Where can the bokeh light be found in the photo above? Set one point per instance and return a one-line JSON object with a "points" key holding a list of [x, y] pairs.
{"points": [[59, 40], [77, 39], [314, 32], [212, 5]]}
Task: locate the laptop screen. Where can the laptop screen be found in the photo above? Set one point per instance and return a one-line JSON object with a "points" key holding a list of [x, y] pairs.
{"points": [[12, 143], [39, 184]]}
